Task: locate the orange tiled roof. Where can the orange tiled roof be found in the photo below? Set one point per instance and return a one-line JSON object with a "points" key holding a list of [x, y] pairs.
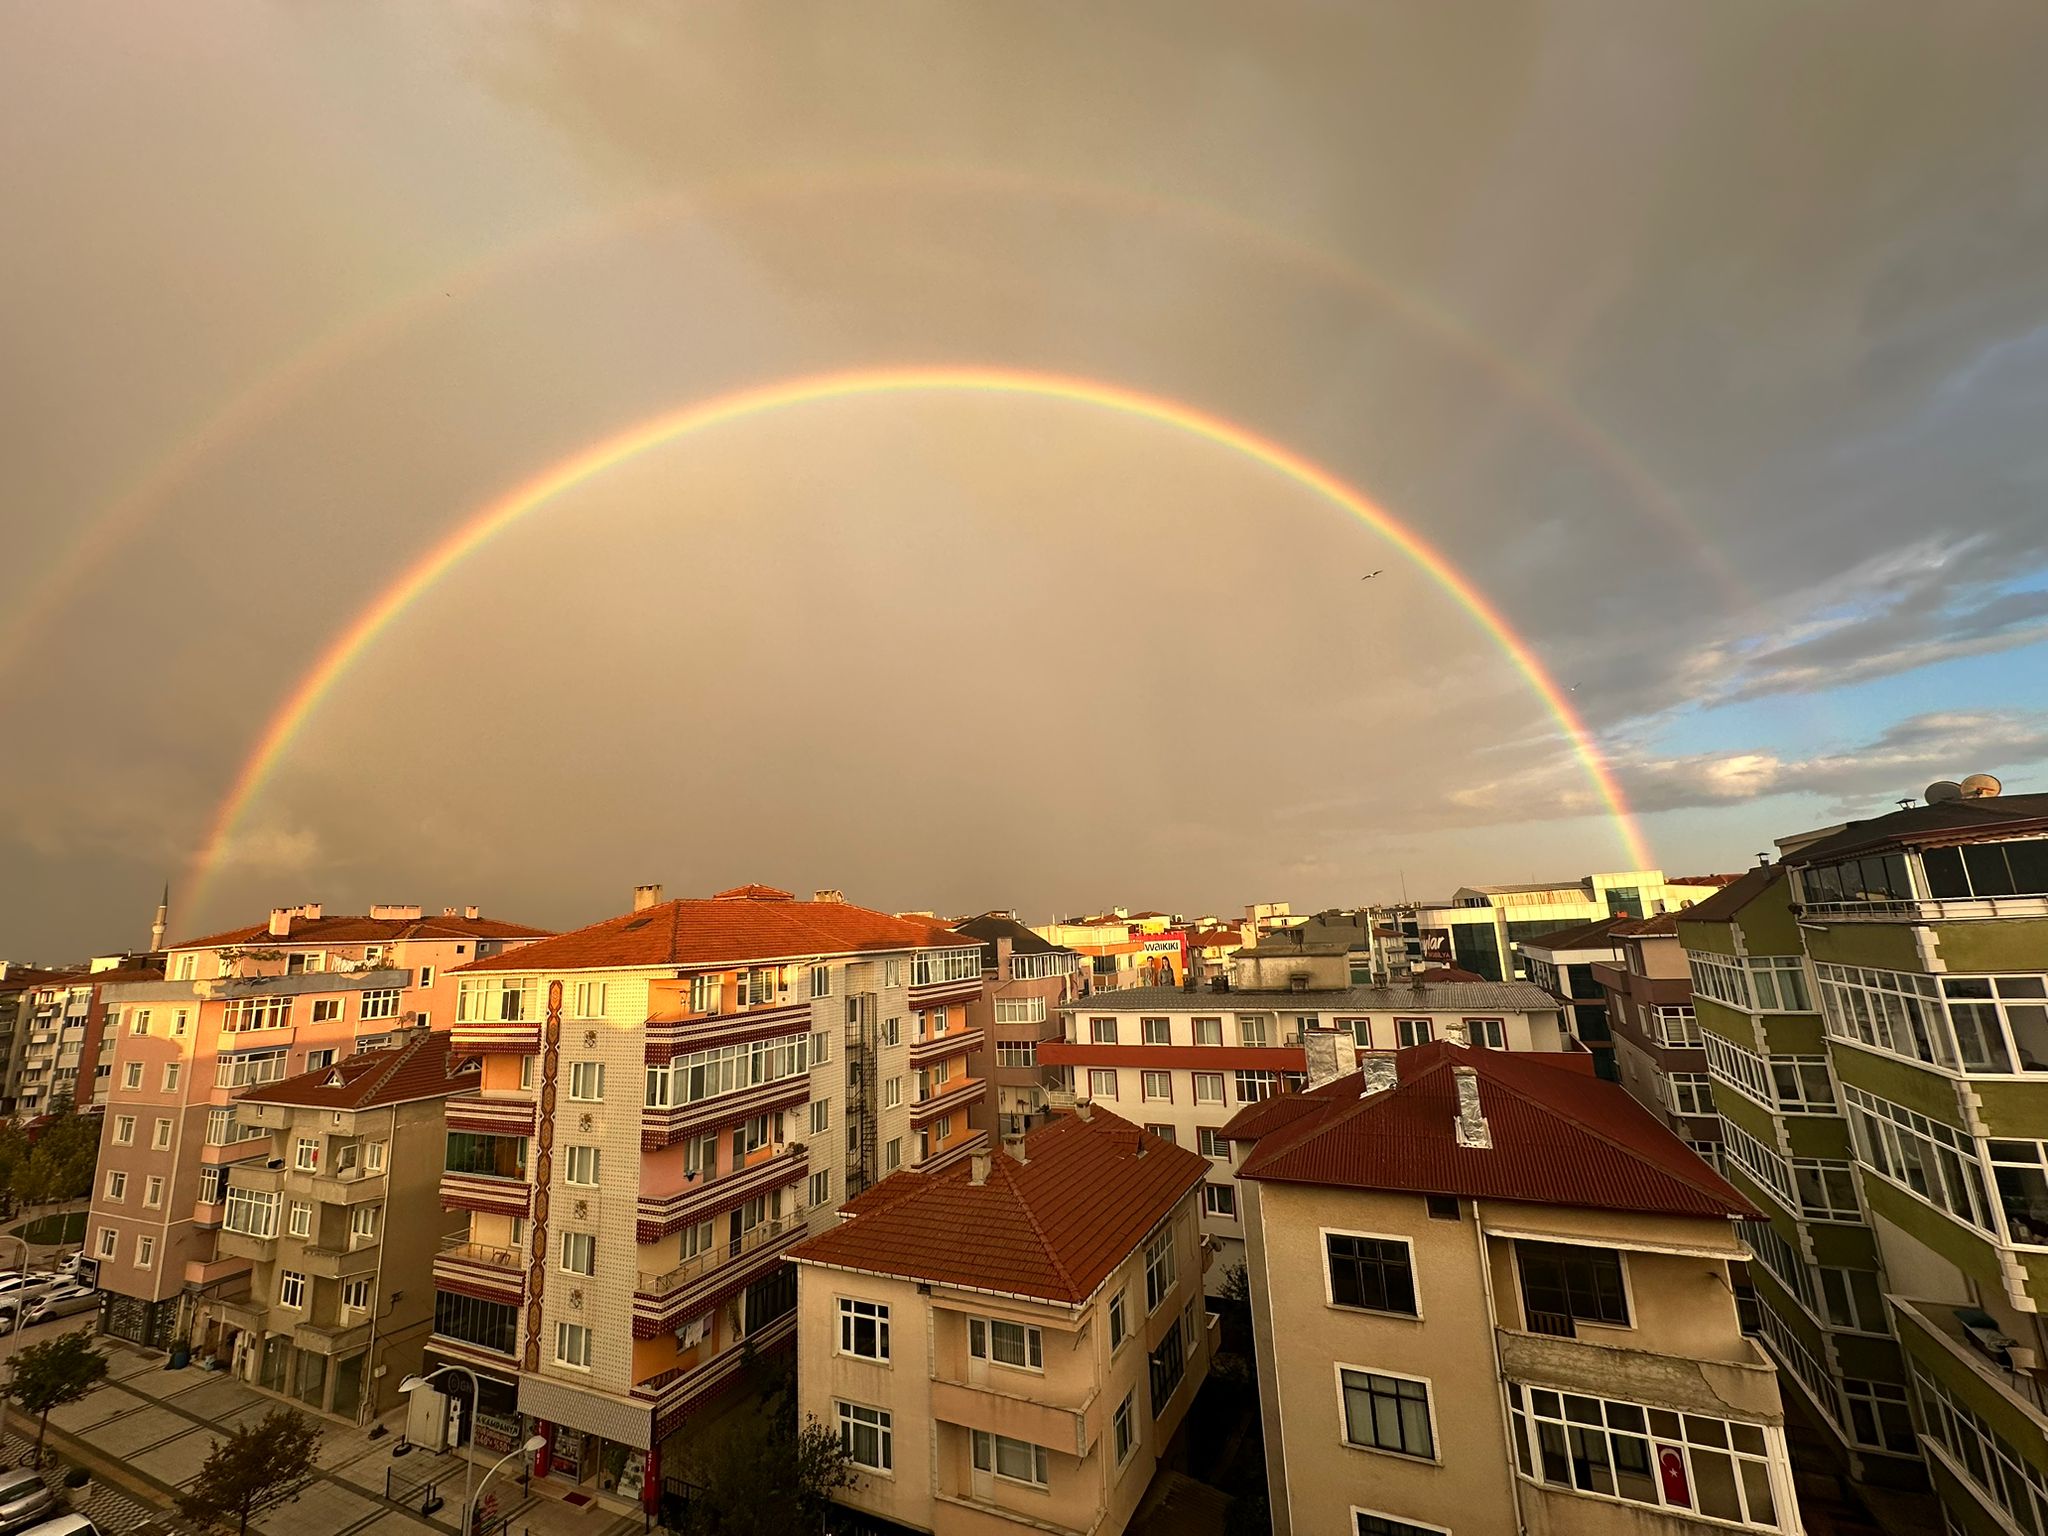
{"points": [[422, 1068], [346, 929], [1052, 1227], [751, 922]]}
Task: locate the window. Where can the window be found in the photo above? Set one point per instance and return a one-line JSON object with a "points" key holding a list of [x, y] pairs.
{"points": [[1122, 1430], [306, 1154], [1253, 1030], [1988, 1461], [246, 1069], [819, 1191], [892, 1092], [1413, 1031], [1220, 1200], [1678, 1026], [108, 1240], [153, 1191], [1386, 1413], [298, 1219], [529, 1069], [892, 1031], [172, 1071], [1208, 1031], [705, 993], [696, 1239], [863, 1329], [1208, 1087], [1020, 1010], [124, 1130], [1566, 1283], [160, 1133], [821, 981], [866, 1436], [355, 1295], [244, 1013], [117, 1185], [579, 1253], [1852, 1300], [1018, 1460], [1102, 1031], [1119, 1330], [131, 1075], [1168, 1364], [1160, 1268], [1164, 1132], [185, 968], [1443, 1207], [1826, 1190], [892, 1155], [213, 1185], [1375, 1273], [1254, 1086], [581, 1166], [373, 1157], [363, 1222], [592, 999], [1157, 1086], [934, 965], [1210, 1143], [1692, 1093], [1370, 1524], [1017, 1053], [1719, 1468], [145, 1252], [1155, 1031], [1005, 1343], [572, 1345], [138, 1021], [291, 1289], [821, 1116], [1360, 1031], [892, 972], [1102, 1082], [326, 1009], [586, 1082], [497, 1000], [1490, 1033]]}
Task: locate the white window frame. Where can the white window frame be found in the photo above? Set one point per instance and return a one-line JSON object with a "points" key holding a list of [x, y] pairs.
{"points": [[568, 1336], [586, 1082], [854, 1311], [880, 1423], [583, 1152], [291, 1290]]}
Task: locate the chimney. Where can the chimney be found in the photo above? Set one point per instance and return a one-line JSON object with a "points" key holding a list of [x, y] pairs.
{"points": [[1320, 1047], [1472, 1127], [280, 922], [1458, 1032], [1014, 1145], [312, 911], [977, 1168], [645, 896], [470, 913], [1085, 1109], [838, 897], [1382, 1070], [386, 911]]}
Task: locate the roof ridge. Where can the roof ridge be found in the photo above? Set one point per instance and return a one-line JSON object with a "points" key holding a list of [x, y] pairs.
{"points": [[398, 1057], [1010, 1170]]}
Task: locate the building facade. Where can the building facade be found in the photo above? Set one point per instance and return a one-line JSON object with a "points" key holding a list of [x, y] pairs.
{"points": [[1025, 979], [237, 1010], [1009, 1347], [1658, 1048], [1483, 926], [1182, 1063], [670, 1101], [339, 1221], [61, 1056], [1562, 964], [1490, 1294]]}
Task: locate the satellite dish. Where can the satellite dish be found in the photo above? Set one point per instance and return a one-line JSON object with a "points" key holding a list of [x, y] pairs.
{"points": [[1980, 786], [1941, 791]]}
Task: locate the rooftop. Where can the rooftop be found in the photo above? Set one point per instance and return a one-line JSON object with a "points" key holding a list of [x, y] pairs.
{"points": [[421, 1068], [1560, 1137], [1430, 997], [1722, 906], [1598, 934], [1944, 824], [344, 928], [991, 926], [750, 922], [1053, 1227]]}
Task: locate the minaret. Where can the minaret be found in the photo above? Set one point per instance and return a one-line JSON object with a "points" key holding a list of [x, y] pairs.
{"points": [[161, 926]]}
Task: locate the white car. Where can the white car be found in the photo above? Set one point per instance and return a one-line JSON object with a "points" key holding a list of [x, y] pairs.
{"points": [[14, 1285]]}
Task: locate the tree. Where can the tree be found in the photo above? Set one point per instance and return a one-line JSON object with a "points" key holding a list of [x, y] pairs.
{"points": [[53, 1373], [761, 1473], [62, 1165], [256, 1465], [14, 1156]]}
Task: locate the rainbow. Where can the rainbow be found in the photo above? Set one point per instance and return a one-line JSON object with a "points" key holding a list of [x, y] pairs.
{"points": [[530, 495], [295, 379]]}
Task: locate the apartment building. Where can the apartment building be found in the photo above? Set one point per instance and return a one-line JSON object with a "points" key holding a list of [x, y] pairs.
{"points": [[1926, 934], [236, 1010], [1483, 926], [1009, 1347], [1562, 964], [1122, 948], [339, 1221], [671, 1099], [1491, 1294], [60, 1055], [1658, 1048], [1025, 980], [19, 986], [1183, 1062]]}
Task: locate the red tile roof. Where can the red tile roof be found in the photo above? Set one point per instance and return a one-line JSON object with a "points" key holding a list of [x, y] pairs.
{"points": [[422, 1068], [1052, 1227], [1662, 925], [343, 928], [20, 978], [1450, 973], [1559, 1138], [1598, 934], [750, 922]]}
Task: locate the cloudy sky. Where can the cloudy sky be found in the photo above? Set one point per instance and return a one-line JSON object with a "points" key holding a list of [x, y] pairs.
{"points": [[1710, 343]]}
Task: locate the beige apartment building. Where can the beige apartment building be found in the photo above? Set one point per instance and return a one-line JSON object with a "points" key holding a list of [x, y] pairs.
{"points": [[1026, 979], [672, 1099], [340, 1224], [1491, 1294], [1182, 1063], [238, 1010], [1009, 1346]]}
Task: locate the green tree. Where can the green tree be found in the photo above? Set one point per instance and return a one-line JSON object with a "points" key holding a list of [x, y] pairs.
{"points": [[62, 1165], [14, 1155], [52, 1373], [256, 1465], [762, 1473]]}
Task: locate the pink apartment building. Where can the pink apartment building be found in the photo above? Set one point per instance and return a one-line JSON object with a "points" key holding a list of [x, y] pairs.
{"points": [[234, 1010]]}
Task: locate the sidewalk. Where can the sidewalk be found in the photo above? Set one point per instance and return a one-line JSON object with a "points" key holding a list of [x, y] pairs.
{"points": [[147, 1431]]}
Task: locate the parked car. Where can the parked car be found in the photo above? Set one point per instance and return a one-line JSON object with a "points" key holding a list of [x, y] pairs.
{"points": [[14, 1283], [25, 1499], [65, 1525], [63, 1303], [69, 1265]]}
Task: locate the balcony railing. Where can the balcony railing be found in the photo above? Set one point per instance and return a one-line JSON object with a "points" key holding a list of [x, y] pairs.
{"points": [[1942, 910], [694, 1269], [458, 1247]]}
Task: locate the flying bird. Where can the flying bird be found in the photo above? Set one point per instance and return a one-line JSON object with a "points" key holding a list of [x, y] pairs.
{"points": [[1369, 578]]}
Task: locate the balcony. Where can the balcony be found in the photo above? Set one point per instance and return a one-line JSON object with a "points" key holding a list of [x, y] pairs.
{"points": [[486, 1193], [491, 1115], [1949, 910], [1070, 1429], [665, 1213], [517, 1037], [669, 1035], [1974, 1357], [958, 1094], [953, 1042], [485, 1271], [345, 1186], [229, 1244], [340, 1263], [662, 1301], [661, 1127], [1745, 1387], [338, 1338], [675, 1392]]}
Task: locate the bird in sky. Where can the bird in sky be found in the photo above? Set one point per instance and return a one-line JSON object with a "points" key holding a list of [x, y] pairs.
{"points": [[1369, 578]]}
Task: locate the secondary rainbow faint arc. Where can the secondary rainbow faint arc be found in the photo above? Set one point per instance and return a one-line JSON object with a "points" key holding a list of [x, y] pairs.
{"points": [[491, 519]]}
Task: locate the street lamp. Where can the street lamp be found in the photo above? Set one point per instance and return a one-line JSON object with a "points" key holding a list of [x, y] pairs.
{"points": [[534, 1443], [416, 1383]]}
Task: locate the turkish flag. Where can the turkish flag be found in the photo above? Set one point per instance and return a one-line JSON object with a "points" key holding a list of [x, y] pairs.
{"points": [[1671, 1472]]}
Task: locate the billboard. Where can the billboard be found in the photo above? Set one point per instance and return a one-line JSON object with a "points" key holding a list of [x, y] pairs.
{"points": [[1163, 960]]}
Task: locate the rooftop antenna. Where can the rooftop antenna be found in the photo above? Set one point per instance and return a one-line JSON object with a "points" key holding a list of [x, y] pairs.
{"points": [[1981, 786], [1941, 791]]}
